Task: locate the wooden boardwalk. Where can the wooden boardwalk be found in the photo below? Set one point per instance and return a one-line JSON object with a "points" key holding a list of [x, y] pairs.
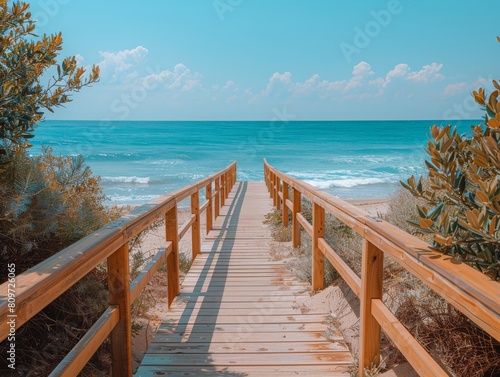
{"points": [[235, 315]]}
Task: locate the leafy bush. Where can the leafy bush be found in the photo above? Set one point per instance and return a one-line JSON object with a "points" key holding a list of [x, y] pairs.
{"points": [[463, 211], [27, 62], [47, 203]]}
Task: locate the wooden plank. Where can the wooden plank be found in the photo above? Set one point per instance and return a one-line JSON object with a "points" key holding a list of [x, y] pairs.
{"points": [[247, 334], [204, 206], [372, 270], [246, 371], [81, 353], [143, 278], [183, 319], [318, 259], [228, 359], [341, 267], [417, 356], [186, 226], [119, 295], [223, 311], [257, 347], [305, 224]]}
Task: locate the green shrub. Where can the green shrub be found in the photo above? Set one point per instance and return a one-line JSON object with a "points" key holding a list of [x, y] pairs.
{"points": [[463, 200]]}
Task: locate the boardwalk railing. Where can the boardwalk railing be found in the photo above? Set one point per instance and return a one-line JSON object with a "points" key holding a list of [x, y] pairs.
{"points": [[42, 284], [468, 290]]}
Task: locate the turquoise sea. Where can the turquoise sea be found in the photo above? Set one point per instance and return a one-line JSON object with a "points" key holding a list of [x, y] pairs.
{"points": [[139, 160]]}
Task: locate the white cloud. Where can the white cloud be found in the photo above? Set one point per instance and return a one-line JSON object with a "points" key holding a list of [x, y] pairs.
{"points": [[79, 59], [331, 85], [399, 70], [228, 85], [307, 86], [428, 73], [362, 69], [359, 74], [455, 88], [180, 78], [278, 83], [115, 63]]}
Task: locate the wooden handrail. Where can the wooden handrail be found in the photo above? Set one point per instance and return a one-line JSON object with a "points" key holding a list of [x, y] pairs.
{"points": [[43, 283], [468, 290]]}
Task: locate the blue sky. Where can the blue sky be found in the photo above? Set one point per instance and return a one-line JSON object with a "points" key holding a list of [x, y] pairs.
{"points": [[254, 59]]}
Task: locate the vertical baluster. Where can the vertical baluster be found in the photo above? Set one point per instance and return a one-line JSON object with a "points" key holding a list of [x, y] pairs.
{"points": [[318, 259], [119, 294], [172, 235], [297, 205], [209, 207], [371, 288], [195, 227], [285, 207], [217, 197]]}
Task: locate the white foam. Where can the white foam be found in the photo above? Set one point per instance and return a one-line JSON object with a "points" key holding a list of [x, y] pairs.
{"points": [[347, 183], [132, 179]]}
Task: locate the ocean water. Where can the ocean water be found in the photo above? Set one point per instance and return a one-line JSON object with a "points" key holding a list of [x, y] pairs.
{"points": [[139, 160]]}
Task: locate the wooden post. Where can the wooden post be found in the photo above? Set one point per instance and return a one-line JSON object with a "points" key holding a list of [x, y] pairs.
{"points": [[195, 228], [234, 175], [222, 191], [371, 288], [171, 233], [271, 186], [209, 207], [119, 294], [278, 190], [297, 205], [284, 213], [217, 197], [228, 183], [318, 259]]}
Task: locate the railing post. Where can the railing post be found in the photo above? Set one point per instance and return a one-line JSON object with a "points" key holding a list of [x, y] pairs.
{"points": [[195, 228], [217, 197], [318, 259], [297, 205], [228, 184], [371, 288], [172, 235], [119, 294], [234, 175], [222, 191], [209, 207], [271, 186], [284, 213], [276, 191]]}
